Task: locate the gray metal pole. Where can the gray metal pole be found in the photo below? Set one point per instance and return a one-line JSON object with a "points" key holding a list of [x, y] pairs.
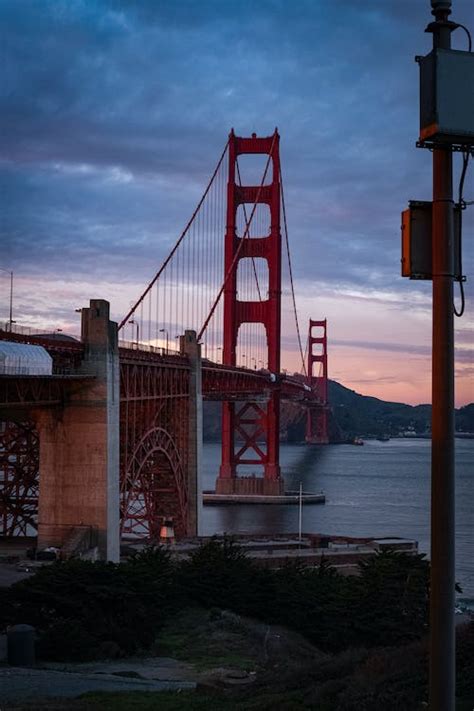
{"points": [[11, 301], [300, 513], [442, 643]]}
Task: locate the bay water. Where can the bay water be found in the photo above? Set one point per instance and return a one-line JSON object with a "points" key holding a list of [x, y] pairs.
{"points": [[379, 489]]}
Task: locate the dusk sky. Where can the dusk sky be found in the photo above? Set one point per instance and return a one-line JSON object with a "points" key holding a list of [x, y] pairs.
{"points": [[114, 113]]}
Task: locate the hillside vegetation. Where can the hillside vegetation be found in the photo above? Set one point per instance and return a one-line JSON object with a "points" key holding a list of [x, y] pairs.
{"points": [[352, 415]]}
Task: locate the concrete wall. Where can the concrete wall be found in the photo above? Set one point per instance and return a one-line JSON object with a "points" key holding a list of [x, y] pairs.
{"points": [[190, 347], [79, 446], [248, 485]]}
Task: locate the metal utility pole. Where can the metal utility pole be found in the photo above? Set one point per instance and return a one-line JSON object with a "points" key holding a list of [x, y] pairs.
{"points": [[10, 320], [442, 600]]}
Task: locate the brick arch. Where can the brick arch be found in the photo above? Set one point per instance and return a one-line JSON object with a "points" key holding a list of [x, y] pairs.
{"points": [[154, 486]]}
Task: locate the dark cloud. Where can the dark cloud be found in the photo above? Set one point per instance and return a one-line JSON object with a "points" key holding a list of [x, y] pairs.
{"points": [[114, 113]]}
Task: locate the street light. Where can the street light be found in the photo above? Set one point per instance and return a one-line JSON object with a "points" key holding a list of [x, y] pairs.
{"points": [[165, 331], [219, 348], [11, 296], [244, 356], [134, 322]]}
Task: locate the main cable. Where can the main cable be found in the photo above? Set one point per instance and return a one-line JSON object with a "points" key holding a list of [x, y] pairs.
{"points": [[287, 241], [239, 248], [178, 242]]}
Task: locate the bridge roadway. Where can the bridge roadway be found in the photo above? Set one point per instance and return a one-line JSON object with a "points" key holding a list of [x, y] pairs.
{"points": [[119, 431], [219, 382]]}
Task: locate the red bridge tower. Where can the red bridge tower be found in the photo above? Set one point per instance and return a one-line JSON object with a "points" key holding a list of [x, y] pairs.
{"points": [[317, 417], [250, 431]]}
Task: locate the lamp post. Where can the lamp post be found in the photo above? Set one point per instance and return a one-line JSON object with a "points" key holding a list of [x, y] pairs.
{"points": [[244, 358], [219, 348], [10, 320], [134, 322], [165, 331]]}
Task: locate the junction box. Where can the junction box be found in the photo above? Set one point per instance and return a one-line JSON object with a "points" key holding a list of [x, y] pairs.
{"points": [[447, 97], [417, 241]]}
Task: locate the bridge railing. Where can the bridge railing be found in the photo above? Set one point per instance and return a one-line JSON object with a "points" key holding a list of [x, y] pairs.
{"points": [[56, 333]]}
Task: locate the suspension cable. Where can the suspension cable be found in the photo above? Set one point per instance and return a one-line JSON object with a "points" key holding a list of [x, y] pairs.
{"points": [[239, 248], [291, 276], [183, 234]]}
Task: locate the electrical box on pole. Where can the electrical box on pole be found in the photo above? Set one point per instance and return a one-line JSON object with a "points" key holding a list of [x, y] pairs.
{"points": [[447, 97], [417, 257]]}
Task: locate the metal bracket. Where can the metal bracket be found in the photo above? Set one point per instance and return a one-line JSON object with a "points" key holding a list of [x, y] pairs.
{"points": [[453, 147]]}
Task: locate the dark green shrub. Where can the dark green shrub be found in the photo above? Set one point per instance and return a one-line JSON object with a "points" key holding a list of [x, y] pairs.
{"points": [[219, 574], [393, 599], [121, 604], [465, 660], [66, 641]]}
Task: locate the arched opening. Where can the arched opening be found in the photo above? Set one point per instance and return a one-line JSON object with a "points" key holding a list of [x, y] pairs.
{"points": [[252, 279], [154, 487], [251, 169], [261, 220], [252, 348]]}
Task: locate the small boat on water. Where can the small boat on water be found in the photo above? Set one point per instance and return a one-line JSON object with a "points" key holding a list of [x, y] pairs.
{"points": [[358, 441]]}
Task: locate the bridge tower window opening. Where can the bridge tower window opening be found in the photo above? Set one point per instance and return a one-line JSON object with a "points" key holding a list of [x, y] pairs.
{"points": [[250, 167], [252, 279], [252, 348], [259, 227]]}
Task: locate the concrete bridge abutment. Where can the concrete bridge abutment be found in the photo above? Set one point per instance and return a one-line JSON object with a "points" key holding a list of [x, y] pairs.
{"points": [[79, 446], [190, 347]]}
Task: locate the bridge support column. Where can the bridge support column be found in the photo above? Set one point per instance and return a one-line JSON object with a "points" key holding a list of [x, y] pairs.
{"points": [[317, 416], [79, 447], [250, 430], [191, 348]]}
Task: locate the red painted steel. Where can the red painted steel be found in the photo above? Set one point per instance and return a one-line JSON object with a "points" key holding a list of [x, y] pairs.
{"points": [[265, 423], [19, 461], [317, 417]]}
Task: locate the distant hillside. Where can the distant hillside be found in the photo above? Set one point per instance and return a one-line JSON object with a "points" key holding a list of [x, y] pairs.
{"points": [[361, 415], [352, 415]]}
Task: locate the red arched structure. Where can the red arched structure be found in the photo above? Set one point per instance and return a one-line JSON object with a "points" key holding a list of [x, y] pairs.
{"points": [[250, 432], [154, 487]]}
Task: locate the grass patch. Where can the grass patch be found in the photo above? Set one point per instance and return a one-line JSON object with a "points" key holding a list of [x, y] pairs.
{"points": [[196, 636], [189, 701]]}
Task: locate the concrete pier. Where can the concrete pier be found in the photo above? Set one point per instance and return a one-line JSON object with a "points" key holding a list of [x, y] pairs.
{"points": [[192, 349], [79, 446]]}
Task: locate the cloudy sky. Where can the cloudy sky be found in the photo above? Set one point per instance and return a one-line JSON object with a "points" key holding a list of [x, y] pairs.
{"points": [[114, 113]]}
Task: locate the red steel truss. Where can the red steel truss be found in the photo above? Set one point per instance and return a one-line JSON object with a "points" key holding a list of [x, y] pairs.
{"points": [[317, 417], [258, 431], [19, 462], [154, 422]]}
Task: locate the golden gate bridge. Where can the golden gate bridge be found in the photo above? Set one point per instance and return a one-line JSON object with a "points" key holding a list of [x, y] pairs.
{"points": [[117, 423]]}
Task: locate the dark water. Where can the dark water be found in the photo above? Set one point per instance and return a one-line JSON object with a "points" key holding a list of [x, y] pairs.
{"points": [[380, 489]]}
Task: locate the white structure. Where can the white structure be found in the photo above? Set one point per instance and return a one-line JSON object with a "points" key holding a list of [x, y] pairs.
{"points": [[23, 359]]}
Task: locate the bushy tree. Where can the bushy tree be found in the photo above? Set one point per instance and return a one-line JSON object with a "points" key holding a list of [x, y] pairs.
{"points": [[98, 602], [393, 598]]}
